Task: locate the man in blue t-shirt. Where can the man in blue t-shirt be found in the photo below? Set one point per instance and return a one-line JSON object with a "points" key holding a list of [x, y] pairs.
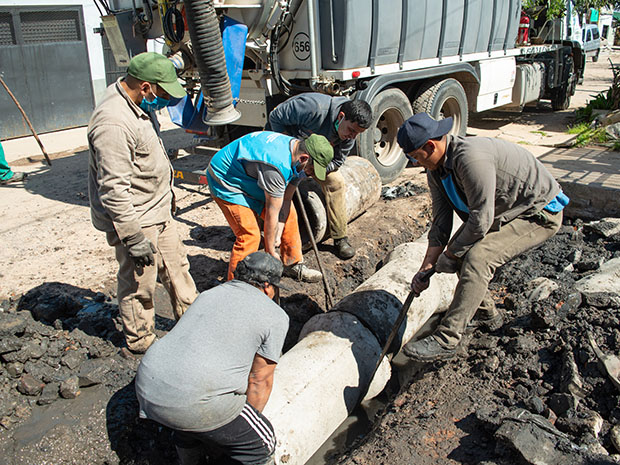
{"points": [[210, 377], [256, 175]]}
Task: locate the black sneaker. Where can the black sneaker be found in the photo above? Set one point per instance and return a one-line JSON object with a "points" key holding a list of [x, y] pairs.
{"points": [[344, 250], [427, 350]]}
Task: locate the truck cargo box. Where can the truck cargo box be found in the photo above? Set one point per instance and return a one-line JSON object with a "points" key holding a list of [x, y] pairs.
{"points": [[360, 33]]}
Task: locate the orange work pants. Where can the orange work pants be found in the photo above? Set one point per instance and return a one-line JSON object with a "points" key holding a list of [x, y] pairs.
{"points": [[244, 223]]}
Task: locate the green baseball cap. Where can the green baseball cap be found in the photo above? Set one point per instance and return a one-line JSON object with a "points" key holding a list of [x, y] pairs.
{"points": [[321, 152], [157, 69]]}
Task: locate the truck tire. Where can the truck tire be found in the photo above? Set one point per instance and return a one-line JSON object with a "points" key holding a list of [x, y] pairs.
{"points": [[442, 99], [595, 56], [378, 145], [560, 99]]}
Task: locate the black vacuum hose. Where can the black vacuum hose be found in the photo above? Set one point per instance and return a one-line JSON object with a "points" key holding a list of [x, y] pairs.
{"points": [[204, 30]]}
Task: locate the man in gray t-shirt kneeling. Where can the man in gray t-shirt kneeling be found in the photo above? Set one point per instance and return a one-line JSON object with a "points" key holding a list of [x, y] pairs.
{"points": [[210, 377]]}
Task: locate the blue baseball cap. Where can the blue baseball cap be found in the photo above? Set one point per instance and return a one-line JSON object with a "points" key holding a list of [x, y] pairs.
{"points": [[421, 128]]}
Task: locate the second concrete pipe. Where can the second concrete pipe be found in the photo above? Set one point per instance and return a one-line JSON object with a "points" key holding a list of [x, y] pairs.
{"points": [[320, 380], [362, 190]]}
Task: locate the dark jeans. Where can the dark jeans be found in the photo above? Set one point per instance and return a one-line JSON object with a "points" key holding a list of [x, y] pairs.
{"points": [[248, 439]]}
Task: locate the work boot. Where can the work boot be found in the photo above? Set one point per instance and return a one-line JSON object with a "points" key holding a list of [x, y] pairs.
{"points": [[427, 350], [17, 177], [301, 272], [344, 250], [137, 351], [490, 323], [129, 354]]}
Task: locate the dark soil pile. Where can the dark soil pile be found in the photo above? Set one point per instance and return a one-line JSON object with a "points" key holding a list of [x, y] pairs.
{"points": [[533, 391]]}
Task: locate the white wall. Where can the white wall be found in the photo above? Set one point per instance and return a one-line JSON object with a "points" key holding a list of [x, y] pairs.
{"points": [[606, 20], [91, 20]]}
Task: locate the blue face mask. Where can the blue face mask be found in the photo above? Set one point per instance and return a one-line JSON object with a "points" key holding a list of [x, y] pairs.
{"points": [[156, 104], [413, 161], [298, 170]]}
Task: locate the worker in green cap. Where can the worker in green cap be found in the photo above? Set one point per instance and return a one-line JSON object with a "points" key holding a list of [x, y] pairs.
{"points": [[131, 197], [256, 176]]}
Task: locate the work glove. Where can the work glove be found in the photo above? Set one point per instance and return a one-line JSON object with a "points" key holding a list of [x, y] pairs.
{"points": [[419, 282], [446, 264], [140, 249]]}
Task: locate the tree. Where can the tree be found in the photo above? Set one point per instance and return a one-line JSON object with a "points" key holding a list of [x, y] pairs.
{"points": [[551, 8], [557, 8], [583, 6]]}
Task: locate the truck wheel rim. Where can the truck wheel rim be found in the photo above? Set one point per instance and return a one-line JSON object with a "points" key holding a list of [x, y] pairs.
{"points": [[387, 149], [451, 108]]}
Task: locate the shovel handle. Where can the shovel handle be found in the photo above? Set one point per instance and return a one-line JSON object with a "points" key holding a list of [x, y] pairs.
{"points": [[426, 275]]}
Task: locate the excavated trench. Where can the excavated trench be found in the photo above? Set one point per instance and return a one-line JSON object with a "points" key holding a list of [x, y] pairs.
{"points": [[66, 396]]}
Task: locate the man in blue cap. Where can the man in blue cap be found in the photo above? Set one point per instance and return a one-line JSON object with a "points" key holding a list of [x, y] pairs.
{"points": [[131, 197], [508, 202]]}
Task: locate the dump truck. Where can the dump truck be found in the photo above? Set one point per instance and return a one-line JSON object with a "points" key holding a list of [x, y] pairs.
{"points": [[239, 58]]}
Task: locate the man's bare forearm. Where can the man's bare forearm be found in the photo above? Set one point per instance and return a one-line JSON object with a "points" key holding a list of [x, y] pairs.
{"points": [[272, 214], [258, 393], [432, 254]]}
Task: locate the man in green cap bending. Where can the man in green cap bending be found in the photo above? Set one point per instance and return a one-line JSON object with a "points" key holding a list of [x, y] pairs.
{"points": [[256, 175], [131, 197]]}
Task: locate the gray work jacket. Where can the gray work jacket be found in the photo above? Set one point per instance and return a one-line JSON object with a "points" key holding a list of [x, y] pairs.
{"points": [[498, 181], [313, 113], [129, 173]]}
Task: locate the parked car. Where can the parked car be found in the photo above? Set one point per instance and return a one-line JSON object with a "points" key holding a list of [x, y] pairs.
{"points": [[591, 41]]}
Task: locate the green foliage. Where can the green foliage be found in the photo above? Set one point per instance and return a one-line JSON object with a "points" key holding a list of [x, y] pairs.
{"points": [[583, 6], [584, 114], [602, 101], [578, 128], [587, 135], [555, 8]]}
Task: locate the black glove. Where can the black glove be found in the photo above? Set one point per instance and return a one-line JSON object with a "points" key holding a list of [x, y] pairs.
{"points": [[446, 264], [418, 283], [140, 249]]}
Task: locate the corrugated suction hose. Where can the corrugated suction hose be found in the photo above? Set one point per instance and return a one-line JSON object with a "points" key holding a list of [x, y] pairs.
{"points": [[204, 30]]}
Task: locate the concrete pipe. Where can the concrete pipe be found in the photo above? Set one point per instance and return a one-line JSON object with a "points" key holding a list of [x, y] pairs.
{"points": [[319, 381], [363, 189]]}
